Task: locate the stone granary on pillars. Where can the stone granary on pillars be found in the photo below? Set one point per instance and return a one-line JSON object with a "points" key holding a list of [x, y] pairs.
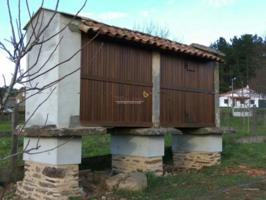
{"points": [[133, 85]]}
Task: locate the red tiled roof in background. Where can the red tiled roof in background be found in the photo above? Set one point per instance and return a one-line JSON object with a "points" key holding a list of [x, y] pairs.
{"points": [[88, 25]]}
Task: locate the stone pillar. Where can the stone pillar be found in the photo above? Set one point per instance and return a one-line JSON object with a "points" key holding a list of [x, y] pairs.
{"points": [[156, 64], [51, 164], [47, 181], [138, 150], [197, 148], [216, 94], [137, 153]]}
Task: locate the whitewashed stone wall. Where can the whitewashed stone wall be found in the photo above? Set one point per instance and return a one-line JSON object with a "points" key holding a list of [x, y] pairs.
{"points": [[64, 101]]}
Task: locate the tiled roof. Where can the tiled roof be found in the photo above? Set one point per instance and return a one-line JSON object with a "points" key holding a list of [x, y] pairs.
{"points": [[89, 25]]}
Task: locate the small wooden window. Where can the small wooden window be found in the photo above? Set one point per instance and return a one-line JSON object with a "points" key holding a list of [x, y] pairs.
{"points": [[188, 67]]}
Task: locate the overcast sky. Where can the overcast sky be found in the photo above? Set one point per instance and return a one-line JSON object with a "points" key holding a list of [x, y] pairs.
{"points": [[188, 21]]}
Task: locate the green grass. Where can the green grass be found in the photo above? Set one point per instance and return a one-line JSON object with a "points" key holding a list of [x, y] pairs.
{"points": [[244, 125], [5, 144], [211, 183], [214, 182], [5, 126], [95, 145], [206, 184], [253, 155]]}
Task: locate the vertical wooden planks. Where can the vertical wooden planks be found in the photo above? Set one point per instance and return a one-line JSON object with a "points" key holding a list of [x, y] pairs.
{"points": [[116, 85], [186, 92]]}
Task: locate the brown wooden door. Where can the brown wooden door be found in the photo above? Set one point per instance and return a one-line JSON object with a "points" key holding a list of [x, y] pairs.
{"points": [[187, 98], [116, 85], [199, 96], [191, 79]]}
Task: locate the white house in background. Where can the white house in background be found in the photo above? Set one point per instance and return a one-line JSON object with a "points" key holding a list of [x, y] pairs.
{"points": [[241, 98]]}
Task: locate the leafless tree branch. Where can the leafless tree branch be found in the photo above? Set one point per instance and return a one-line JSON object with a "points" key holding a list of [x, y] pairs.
{"points": [[13, 37], [4, 79], [20, 49], [36, 38], [60, 63], [35, 110]]}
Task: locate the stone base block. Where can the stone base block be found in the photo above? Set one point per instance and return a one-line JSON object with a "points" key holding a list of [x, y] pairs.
{"points": [[196, 151], [196, 160], [49, 182], [53, 150], [197, 143], [125, 164]]}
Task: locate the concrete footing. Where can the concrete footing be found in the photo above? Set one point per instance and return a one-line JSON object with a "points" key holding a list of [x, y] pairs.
{"points": [[51, 166], [137, 153], [196, 151]]}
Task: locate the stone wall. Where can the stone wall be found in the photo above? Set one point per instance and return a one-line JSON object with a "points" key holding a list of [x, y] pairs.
{"points": [[49, 182], [196, 160], [124, 164]]}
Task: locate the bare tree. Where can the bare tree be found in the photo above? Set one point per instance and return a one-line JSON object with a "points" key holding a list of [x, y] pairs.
{"points": [[153, 29], [17, 47]]}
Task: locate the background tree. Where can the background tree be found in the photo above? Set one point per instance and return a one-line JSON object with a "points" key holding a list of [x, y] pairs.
{"points": [[152, 28], [244, 55]]}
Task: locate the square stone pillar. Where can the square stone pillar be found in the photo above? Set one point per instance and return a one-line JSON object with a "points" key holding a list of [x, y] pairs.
{"points": [[52, 157], [137, 153], [216, 95], [138, 149], [156, 69], [197, 148]]}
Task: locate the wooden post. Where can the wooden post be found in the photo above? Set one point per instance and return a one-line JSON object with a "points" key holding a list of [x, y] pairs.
{"points": [[156, 89], [254, 120], [14, 144]]}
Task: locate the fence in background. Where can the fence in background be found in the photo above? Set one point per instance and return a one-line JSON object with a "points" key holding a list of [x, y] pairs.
{"points": [[255, 123]]}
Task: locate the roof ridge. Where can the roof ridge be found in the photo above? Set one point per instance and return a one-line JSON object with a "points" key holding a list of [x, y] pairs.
{"points": [[136, 36]]}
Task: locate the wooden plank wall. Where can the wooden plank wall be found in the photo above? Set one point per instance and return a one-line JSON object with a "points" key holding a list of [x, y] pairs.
{"points": [[116, 85], [116, 88], [187, 92]]}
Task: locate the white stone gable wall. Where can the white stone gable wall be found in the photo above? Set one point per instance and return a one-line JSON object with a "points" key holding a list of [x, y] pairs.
{"points": [[64, 102]]}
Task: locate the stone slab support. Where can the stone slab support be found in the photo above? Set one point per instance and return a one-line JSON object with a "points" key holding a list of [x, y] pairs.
{"points": [[196, 151], [51, 168], [142, 152]]}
